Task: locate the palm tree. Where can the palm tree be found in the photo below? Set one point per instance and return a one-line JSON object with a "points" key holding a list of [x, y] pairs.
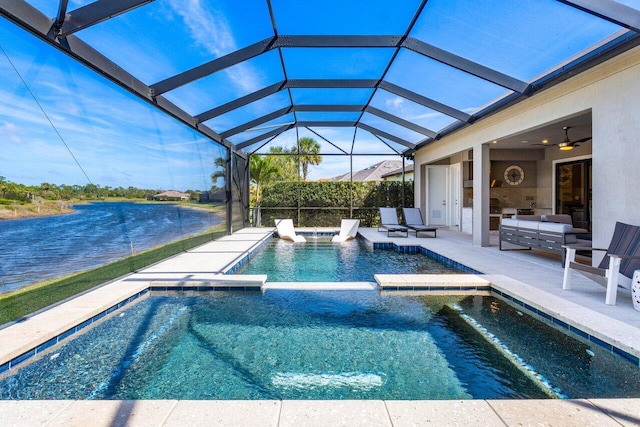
{"points": [[220, 170], [309, 151], [261, 172]]}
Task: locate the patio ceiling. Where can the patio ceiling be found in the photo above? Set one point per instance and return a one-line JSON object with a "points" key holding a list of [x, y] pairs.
{"points": [[368, 77]]}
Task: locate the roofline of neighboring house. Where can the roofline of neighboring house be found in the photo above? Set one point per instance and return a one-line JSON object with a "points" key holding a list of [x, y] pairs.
{"points": [[408, 169]]}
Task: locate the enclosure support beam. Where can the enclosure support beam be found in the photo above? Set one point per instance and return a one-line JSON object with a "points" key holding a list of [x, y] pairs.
{"points": [[96, 12], [383, 134], [402, 122], [612, 11], [427, 102]]}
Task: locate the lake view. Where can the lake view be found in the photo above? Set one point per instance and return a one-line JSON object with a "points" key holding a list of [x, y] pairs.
{"points": [[36, 249]]}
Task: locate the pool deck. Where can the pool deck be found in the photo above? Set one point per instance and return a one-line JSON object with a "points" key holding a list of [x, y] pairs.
{"points": [[532, 276]]}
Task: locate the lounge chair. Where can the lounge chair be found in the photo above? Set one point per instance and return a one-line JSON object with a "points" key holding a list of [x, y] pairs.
{"points": [[286, 231], [389, 222], [348, 230], [622, 258], [413, 220]]}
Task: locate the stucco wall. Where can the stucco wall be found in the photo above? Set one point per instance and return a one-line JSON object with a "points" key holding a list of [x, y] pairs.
{"points": [[612, 92]]}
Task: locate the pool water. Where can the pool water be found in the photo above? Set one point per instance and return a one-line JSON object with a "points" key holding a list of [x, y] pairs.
{"points": [[320, 345], [320, 260]]}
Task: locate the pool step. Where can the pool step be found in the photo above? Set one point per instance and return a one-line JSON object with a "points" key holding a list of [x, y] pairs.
{"points": [[324, 286], [434, 283], [236, 282]]}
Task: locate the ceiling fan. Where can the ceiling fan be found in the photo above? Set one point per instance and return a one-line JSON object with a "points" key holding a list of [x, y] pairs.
{"points": [[566, 144]]}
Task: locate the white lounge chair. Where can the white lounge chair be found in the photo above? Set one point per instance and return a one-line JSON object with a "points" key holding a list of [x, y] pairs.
{"points": [[287, 232], [389, 222], [622, 258], [413, 220], [348, 230]]}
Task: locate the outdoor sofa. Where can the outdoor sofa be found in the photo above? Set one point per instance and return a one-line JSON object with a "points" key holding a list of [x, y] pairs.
{"points": [[544, 232]]}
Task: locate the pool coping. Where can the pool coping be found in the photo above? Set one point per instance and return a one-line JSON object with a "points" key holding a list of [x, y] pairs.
{"points": [[281, 413]]}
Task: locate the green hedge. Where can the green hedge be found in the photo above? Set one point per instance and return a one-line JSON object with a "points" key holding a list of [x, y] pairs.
{"points": [[367, 198], [14, 306]]}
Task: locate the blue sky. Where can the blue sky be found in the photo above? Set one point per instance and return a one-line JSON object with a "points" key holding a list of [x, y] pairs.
{"points": [[118, 140]]}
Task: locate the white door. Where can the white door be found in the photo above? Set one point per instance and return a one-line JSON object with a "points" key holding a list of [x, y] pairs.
{"points": [[454, 195], [437, 197]]}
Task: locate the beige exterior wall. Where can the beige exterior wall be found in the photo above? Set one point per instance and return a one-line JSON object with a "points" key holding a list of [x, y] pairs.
{"points": [[407, 177], [611, 91]]}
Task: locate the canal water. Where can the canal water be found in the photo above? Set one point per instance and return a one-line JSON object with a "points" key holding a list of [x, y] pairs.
{"points": [[36, 249]]}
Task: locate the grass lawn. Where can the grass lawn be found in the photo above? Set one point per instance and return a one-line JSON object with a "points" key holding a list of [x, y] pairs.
{"points": [[16, 305]]}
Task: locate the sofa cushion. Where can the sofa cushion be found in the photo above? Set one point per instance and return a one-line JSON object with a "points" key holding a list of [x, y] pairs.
{"points": [[527, 217], [560, 218], [509, 221], [555, 227]]}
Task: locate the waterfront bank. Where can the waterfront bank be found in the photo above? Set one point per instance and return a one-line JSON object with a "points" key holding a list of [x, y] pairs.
{"points": [[17, 211], [94, 234]]}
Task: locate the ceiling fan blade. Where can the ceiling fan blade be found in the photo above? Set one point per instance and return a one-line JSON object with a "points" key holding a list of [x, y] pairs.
{"points": [[582, 140]]}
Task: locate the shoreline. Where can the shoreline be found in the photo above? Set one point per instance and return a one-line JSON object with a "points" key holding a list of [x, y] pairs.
{"points": [[58, 207], [8, 213]]}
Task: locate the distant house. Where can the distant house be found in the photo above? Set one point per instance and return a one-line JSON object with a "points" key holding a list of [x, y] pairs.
{"points": [[171, 196], [396, 175], [371, 173]]}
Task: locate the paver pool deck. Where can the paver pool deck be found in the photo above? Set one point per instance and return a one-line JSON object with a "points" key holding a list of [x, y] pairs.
{"points": [[532, 276]]}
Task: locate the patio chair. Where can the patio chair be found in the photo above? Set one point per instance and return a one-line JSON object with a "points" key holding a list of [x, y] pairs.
{"points": [[622, 258], [348, 230], [286, 231], [413, 220], [389, 222]]}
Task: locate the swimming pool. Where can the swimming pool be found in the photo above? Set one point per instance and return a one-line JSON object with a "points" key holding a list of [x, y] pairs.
{"points": [[321, 345], [320, 260]]}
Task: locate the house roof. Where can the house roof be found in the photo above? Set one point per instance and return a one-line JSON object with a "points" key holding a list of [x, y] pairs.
{"points": [[172, 194], [407, 169], [371, 173]]}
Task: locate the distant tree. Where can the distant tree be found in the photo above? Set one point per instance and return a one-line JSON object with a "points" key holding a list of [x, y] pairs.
{"points": [[49, 191], [285, 160], [13, 191], [3, 186], [309, 151]]}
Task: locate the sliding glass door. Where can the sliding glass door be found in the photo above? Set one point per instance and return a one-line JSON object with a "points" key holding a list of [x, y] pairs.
{"points": [[573, 191]]}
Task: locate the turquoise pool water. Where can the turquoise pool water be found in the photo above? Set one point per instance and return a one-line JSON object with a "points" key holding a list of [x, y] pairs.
{"points": [[319, 260], [321, 345]]}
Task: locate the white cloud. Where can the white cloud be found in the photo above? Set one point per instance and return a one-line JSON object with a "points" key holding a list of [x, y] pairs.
{"points": [[395, 102], [209, 29], [431, 115], [10, 132]]}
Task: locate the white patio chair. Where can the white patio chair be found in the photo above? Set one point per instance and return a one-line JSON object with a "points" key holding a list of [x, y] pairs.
{"points": [[348, 230], [622, 258], [287, 232]]}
